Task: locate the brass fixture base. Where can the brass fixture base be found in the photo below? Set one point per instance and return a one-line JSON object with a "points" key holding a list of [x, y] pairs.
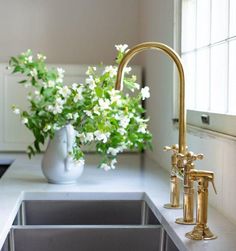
{"points": [[184, 222], [170, 206], [201, 233]]}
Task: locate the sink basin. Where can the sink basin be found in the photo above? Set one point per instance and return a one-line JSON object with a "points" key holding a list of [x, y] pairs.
{"points": [[87, 238], [82, 212], [86, 225]]}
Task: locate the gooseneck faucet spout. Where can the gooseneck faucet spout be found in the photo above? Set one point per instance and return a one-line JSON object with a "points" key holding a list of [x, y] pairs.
{"points": [[179, 149], [175, 57]]}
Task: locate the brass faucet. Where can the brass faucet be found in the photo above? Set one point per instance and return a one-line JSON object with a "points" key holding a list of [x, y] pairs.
{"points": [[174, 180], [188, 162], [201, 231], [184, 160]]}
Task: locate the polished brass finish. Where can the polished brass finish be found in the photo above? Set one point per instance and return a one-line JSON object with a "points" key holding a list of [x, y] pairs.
{"points": [[185, 160], [201, 231], [175, 57], [188, 199], [174, 180]]}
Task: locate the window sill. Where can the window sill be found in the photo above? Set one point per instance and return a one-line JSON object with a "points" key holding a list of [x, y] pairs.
{"points": [[205, 133]]}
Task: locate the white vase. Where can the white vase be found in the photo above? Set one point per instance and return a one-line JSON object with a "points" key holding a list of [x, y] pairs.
{"points": [[57, 166]]}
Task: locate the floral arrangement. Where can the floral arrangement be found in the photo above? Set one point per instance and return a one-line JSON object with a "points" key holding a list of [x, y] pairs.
{"points": [[110, 119]]}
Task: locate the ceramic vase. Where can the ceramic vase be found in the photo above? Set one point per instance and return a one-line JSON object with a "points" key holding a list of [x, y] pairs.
{"points": [[57, 165]]}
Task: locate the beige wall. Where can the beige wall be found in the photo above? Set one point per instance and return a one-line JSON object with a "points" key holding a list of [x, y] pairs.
{"points": [[68, 31]]}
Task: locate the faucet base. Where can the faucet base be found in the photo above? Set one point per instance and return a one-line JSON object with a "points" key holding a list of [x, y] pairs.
{"points": [[171, 206], [201, 232], [184, 222]]}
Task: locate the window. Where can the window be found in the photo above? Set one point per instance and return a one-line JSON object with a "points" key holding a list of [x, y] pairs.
{"points": [[208, 50]]}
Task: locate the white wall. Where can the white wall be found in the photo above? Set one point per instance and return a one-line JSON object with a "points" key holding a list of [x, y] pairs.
{"points": [[68, 31], [220, 153]]}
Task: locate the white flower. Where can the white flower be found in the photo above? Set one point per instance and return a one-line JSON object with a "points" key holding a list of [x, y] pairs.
{"points": [[78, 95], [122, 131], [142, 128], [145, 92], [24, 120], [57, 109], [89, 137], [36, 92], [51, 83], [124, 121], [47, 128], [112, 70], [105, 167], [121, 47], [41, 57], [136, 86], [115, 96], [76, 115], [74, 86], [90, 82], [60, 72], [91, 70], [65, 91], [69, 116], [113, 162], [104, 103], [127, 70], [113, 151], [101, 136], [29, 59], [88, 113], [60, 101], [96, 110], [81, 137], [34, 73], [50, 108]]}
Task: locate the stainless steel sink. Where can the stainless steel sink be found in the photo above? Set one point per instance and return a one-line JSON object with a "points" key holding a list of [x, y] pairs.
{"points": [[86, 225], [87, 238], [82, 212]]}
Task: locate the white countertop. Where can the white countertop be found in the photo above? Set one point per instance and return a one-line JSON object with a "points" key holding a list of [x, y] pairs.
{"points": [[136, 177]]}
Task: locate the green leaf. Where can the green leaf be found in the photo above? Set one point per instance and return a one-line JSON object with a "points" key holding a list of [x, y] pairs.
{"points": [[99, 92], [22, 81]]}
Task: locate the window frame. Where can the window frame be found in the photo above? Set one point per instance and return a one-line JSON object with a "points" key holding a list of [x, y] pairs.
{"points": [[222, 124]]}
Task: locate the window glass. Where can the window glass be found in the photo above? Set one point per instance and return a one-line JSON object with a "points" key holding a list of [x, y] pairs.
{"points": [[203, 22], [219, 20], [188, 24], [202, 80]]}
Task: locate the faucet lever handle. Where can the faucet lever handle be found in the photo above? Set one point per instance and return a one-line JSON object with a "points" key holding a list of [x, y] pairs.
{"points": [[202, 174], [211, 178]]}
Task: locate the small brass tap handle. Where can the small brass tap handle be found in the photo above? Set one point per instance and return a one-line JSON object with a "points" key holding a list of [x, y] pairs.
{"points": [[174, 148], [190, 156]]}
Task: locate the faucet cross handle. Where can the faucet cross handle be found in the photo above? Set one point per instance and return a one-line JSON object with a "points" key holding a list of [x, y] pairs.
{"points": [[190, 157], [174, 148]]}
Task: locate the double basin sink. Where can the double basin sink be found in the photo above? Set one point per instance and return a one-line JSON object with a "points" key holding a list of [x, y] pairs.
{"points": [[87, 225]]}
